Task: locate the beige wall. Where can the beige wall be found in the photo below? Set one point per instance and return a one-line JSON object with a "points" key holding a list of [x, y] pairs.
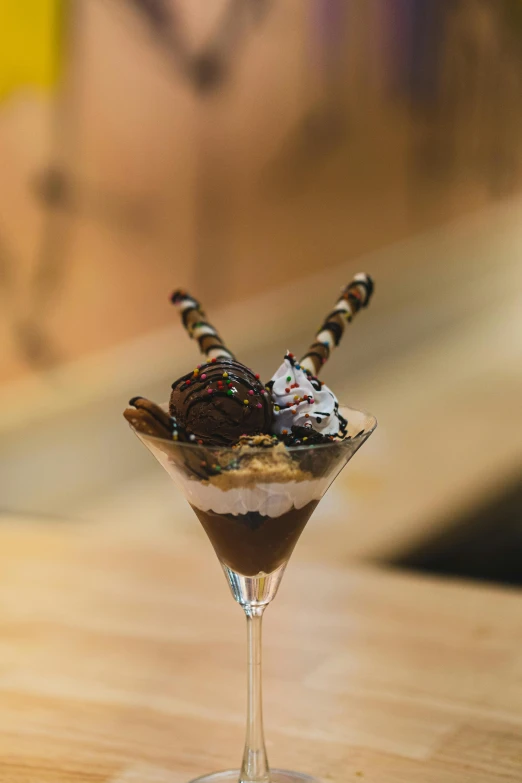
{"points": [[239, 189]]}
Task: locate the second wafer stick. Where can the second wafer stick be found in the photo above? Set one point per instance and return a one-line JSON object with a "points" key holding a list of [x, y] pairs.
{"points": [[355, 296]]}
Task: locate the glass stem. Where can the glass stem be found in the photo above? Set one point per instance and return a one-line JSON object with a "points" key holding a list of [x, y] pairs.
{"points": [[255, 763]]}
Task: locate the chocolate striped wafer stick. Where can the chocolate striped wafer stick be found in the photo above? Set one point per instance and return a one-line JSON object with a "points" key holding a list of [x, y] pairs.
{"points": [[149, 419], [356, 295], [210, 343]]}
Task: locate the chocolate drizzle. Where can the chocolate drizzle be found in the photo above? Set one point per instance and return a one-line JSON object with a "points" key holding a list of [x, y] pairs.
{"points": [[306, 434], [220, 401]]}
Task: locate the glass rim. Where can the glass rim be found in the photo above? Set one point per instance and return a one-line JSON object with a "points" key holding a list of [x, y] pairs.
{"points": [[178, 444]]}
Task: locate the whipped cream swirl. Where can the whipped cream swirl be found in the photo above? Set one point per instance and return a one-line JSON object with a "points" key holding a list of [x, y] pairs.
{"points": [[301, 400]]}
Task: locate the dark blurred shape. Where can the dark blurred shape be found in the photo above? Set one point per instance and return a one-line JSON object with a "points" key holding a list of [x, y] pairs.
{"points": [[157, 12], [161, 18], [7, 266], [259, 9], [327, 28], [484, 545], [208, 71], [36, 347], [28, 333], [64, 200], [53, 187]]}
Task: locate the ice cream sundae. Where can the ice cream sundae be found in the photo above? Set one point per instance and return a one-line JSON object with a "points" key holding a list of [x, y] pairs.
{"points": [[253, 458]]}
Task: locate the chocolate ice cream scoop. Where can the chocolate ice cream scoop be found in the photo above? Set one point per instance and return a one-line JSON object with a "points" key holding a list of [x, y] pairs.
{"points": [[220, 401]]}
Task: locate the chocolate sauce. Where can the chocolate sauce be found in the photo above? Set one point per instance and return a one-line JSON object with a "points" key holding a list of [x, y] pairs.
{"points": [[221, 401], [252, 543]]}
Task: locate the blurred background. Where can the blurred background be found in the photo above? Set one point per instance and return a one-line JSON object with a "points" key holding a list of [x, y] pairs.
{"points": [[259, 153]]}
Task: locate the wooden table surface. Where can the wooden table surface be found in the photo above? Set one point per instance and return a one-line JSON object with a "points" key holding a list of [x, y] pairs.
{"points": [[122, 660]]}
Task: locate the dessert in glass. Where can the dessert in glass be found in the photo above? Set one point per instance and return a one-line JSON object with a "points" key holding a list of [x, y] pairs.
{"points": [[253, 461]]}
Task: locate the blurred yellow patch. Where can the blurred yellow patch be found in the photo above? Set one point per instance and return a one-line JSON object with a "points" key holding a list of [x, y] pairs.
{"points": [[30, 43]]}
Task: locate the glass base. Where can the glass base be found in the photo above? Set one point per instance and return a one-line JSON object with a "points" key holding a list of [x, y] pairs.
{"points": [[276, 776]]}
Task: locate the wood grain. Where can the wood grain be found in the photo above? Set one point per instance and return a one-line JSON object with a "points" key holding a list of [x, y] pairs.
{"points": [[121, 660]]}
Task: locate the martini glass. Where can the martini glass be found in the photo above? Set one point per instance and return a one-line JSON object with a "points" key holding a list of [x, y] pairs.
{"points": [[254, 503]]}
